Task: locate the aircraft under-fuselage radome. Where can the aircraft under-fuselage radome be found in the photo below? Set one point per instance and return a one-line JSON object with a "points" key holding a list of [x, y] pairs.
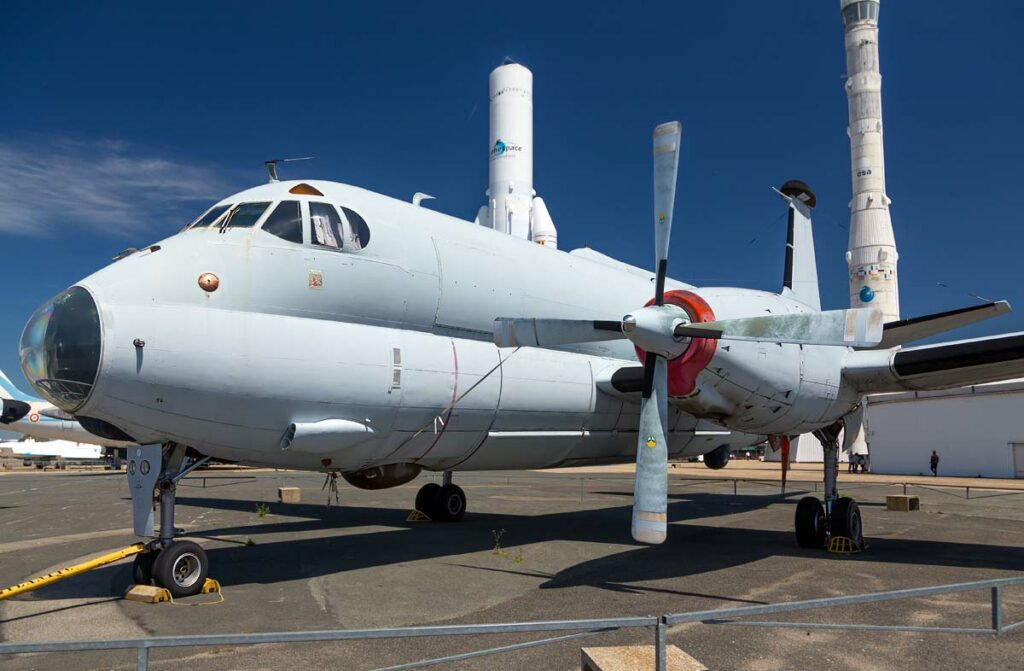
{"points": [[315, 325]]}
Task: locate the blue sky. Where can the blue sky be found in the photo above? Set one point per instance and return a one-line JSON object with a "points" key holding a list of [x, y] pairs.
{"points": [[120, 122]]}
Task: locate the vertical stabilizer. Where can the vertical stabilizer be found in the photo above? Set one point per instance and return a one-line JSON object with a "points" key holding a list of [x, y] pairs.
{"points": [[800, 281], [8, 390]]}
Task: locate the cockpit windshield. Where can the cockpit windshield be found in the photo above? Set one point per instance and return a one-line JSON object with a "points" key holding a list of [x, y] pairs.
{"points": [[244, 215], [211, 216]]}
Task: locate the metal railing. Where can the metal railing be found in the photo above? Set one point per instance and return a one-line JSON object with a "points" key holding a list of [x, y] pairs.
{"points": [[795, 486], [582, 628]]}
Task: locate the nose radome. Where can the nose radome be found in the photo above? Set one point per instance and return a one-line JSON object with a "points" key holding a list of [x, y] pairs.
{"points": [[60, 348]]}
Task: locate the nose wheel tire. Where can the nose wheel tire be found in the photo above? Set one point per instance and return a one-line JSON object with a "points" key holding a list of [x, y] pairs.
{"points": [[846, 520], [810, 523], [181, 568], [142, 567]]}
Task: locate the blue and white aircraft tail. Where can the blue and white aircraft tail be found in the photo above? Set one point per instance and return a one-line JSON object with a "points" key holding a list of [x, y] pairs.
{"points": [[9, 390], [38, 418]]}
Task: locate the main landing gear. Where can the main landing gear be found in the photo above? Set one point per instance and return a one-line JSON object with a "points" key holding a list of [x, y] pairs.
{"points": [[816, 524], [442, 503], [179, 566]]}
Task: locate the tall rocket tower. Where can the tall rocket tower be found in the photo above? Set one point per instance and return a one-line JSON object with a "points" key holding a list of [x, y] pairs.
{"points": [[872, 255], [513, 206]]}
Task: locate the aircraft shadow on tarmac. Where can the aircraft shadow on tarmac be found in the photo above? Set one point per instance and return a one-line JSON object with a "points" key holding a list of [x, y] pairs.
{"points": [[690, 549]]}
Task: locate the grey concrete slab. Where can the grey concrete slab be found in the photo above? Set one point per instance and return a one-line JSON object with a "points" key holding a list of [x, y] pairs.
{"points": [[532, 547]]}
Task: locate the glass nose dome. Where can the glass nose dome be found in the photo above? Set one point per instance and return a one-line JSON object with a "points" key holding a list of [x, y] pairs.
{"points": [[60, 348]]}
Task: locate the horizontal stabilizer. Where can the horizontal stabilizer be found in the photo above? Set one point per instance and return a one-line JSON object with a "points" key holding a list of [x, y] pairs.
{"points": [[918, 328], [941, 366]]}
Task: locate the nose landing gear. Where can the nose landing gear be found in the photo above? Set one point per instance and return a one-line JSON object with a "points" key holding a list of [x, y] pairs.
{"points": [[817, 525], [180, 567]]}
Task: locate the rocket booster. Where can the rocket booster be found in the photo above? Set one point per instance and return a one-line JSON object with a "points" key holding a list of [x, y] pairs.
{"points": [[512, 207], [872, 256]]}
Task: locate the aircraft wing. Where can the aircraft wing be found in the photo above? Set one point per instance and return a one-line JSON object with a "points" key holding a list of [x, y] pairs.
{"points": [[918, 328], [940, 366]]}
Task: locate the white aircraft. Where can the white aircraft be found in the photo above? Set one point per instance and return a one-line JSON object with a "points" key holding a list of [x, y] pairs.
{"points": [[37, 418], [319, 326], [42, 451], [40, 419]]}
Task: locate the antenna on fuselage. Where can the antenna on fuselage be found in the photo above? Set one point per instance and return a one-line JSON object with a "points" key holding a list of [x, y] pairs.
{"points": [[272, 165]]}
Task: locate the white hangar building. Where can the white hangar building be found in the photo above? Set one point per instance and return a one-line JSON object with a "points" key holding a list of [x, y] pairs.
{"points": [[977, 431]]}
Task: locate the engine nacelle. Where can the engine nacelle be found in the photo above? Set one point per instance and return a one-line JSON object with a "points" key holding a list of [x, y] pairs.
{"points": [[382, 477], [684, 369], [718, 457], [11, 411]]}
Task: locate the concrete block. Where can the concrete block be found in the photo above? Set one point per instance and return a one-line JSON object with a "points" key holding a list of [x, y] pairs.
{"points": [[636, 658], [289, 494], [902, 502]]}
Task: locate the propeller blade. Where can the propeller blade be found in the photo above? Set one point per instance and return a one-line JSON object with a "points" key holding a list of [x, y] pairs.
{"points": [[650, 492], [649, 366], [860, 327], [525, 332], [667, 138]]}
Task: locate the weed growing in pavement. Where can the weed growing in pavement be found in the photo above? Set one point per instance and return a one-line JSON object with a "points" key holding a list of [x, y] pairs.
{"points": [[502, 552]]}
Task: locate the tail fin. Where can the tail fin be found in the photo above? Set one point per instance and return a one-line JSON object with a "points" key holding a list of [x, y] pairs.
{"points": [[8, 390], [801, 279]]}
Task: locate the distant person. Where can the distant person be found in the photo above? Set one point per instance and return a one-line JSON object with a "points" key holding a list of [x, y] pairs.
{"points": [[851, 467], [934, 462]]}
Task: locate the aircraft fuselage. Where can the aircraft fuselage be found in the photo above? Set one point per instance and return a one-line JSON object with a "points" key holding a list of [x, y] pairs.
{"points": [[397, 337]]}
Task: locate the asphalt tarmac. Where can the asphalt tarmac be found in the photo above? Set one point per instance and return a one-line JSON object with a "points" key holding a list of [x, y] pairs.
{"points": [[532, 547]]}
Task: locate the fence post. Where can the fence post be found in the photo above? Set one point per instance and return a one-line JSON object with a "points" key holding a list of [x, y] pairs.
{"points": [[734, 487], [581, 490], [142, 661], [968, 492], [659, 645], [997, 610], [904, 489]]}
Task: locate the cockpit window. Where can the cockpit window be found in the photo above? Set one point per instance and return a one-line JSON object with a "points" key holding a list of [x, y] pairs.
{"points": [[244, 215], [211, 216], [325, 225], [285, 221], [360, 236]]}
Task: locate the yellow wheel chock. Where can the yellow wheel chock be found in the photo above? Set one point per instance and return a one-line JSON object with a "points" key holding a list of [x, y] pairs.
{"points": [[842, 545], [418, 516], [147, 594], [151, 594]]}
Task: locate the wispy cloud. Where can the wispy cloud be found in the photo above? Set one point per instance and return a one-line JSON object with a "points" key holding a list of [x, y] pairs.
{"points": [[106, 186]]}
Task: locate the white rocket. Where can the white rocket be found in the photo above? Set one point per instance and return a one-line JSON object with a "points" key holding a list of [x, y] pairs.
{"points": [[512, 206], [872, 255]]}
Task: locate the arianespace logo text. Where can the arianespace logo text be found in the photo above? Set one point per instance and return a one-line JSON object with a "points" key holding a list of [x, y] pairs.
{"points": [[502, 149]]}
